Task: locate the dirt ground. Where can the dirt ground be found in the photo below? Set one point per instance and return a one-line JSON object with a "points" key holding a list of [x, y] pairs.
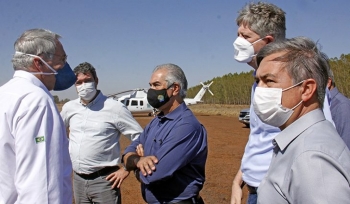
{"points": [[226, 141]]}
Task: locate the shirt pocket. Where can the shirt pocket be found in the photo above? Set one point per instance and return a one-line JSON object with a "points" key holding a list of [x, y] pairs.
{"points": [[96, 128]]}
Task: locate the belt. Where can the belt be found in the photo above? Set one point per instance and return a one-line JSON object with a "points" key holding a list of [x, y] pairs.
{"points": [[194, 200], [101, 172], [252, 189]]}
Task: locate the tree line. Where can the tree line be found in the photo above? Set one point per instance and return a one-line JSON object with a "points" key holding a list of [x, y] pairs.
{"points": [[235, 88]]}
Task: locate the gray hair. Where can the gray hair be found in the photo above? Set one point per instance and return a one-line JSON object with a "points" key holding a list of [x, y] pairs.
{"points": [[175, 74], [264, 19], [331, 76], [36, 42], [302, 59], [84, 68]]}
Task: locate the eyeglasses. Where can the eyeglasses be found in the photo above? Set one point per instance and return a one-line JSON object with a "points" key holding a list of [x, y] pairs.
{"points": [[62, 58]]}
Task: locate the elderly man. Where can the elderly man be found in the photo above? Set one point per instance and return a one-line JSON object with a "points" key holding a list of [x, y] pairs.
{"points": [[34, 158], [96, 123], [310, 163], [172, 163]]}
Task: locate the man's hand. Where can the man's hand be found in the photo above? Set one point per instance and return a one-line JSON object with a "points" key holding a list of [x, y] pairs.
{"points": [[147, 164], [236, 194], [139, 150], [117, 177]]}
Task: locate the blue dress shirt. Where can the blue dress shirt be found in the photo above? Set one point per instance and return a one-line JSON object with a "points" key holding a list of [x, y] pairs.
{"points": [[179, 142], [340, 110]]}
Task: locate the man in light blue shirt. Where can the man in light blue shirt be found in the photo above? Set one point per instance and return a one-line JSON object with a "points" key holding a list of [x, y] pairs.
{"points": [[95, 123], [259, 24]]}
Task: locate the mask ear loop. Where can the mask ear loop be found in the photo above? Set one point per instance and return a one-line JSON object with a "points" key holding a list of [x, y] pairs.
{"points": [[256, 42], [43, 73], [297, 105], [293, 86]]}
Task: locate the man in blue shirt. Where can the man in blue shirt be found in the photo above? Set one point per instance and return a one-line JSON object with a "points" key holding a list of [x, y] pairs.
{"points": [[340, 110], [171, 167]]}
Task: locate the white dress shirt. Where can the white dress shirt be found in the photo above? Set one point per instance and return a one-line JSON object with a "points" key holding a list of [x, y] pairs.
{"points": [[95, 131], [34, 158]]}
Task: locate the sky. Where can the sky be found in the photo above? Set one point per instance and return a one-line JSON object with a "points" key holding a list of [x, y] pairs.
{"points": [[125, 39]]}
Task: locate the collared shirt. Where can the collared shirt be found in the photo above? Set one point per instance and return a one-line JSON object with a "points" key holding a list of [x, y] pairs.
{"points": [[310, 164], [34, 158], [340, 109], [179, 142], [94, 132], [258, 151]]}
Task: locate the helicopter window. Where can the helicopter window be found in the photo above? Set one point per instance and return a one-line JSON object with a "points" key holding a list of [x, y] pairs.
{"points": [[141, 103], [127, 103], [134, 103]]}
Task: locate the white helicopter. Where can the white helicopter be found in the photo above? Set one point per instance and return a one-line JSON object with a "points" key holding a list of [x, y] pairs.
{"points": [[137, 102], [199, 96]]}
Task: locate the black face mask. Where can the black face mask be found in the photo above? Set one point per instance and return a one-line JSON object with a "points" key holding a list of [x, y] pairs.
{"points": [[157, 98]]}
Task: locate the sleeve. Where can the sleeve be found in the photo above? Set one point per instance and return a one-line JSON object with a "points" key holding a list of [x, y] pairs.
{"points": [[179, 148], [127, 124], [64, 115], [32, 141], [318, 178]]}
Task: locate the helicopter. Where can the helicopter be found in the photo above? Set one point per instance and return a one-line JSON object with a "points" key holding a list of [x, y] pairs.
{"points": [[136, 100]]}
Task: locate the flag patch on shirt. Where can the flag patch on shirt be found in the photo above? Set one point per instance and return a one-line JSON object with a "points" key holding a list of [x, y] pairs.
{"points": [[39, 139]]}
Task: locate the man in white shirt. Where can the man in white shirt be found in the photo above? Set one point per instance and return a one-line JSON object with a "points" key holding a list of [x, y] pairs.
{"points": [[34, 158], [95, 123]]}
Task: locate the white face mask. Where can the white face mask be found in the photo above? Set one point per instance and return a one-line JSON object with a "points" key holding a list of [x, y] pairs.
{"points": [[268, 107], [244, 50], [43, 73], [87, 91]]}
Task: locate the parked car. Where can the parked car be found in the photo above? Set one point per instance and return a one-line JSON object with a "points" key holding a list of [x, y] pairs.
{"points": [[244, 117]]}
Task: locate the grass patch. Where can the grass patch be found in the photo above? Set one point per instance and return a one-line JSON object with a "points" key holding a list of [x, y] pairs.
{"points": [[217, 109]]}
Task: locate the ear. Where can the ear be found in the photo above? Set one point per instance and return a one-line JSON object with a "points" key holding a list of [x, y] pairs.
{"points": [[329, 83], [176, 88], [269, 39], [37, 64], [309, 89], [96, 82]]}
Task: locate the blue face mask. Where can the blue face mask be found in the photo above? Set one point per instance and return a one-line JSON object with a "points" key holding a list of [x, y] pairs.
{"points": [[65, 78]]}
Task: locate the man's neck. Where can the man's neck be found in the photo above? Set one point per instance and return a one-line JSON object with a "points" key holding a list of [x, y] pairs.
{"points": [[172, 107], [87, 102]]}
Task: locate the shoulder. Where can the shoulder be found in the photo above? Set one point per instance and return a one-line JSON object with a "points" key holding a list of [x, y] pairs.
{"points": [[115, 106], [70, 104], [322, 137], [188, 117]]}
